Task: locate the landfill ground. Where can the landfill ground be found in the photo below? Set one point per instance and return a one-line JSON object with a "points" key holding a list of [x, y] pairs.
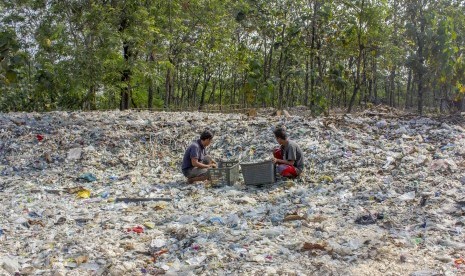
{"points": [[101, 193]]}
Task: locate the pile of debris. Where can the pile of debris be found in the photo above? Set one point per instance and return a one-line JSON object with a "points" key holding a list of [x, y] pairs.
{"points": [[101, 193]]}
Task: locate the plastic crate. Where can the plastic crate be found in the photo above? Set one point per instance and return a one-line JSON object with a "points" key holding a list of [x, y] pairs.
{"points": [[259, 173], [226, 174]]}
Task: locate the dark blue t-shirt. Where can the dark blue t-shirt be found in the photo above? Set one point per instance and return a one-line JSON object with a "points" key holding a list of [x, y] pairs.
{"points": [[195, 150]]}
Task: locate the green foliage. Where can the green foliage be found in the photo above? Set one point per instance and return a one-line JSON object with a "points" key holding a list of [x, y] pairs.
{"points": [[69, 54], [10, 57]]}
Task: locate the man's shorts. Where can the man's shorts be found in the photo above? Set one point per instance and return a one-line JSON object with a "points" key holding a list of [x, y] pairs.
{"points": [[194, 171]]}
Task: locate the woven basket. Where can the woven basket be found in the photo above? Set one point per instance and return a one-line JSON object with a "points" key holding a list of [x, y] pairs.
{"points": [[259, 173]]}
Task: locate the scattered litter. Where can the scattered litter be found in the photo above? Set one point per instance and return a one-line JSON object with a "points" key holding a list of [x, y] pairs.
{"points": [[102, 193], [459, 263], [10, 264], [369, 219], [81, 259], [313, 246], [293, 217], [84, 193], [149, 225], [74, 154], [407, 196], [88, 177], [136, 229], [128, 200], [426, 273]]}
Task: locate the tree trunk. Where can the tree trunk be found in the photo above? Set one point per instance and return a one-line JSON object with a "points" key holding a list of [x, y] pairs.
{"points": [[132, 101], [89, 102], [193, 99], [168, 87], [183, 90], [374, 78], [281, 66], [270, 59], [408, 96], [359, 60], [243, 81], [420, 93], [211, 98], [316, 7], [177, 88], [307, 80], [392, 87], [206, 80], [186, 90], [220, 100], [125, 91], [364, 97], [150, 98], [265, 60], [150, 89], [345, 96], [392, 75], [288, 95], [422, 61], [125, 78], [398, 94], [233, 91], [126, 75], [281, 81], [357, 79]]}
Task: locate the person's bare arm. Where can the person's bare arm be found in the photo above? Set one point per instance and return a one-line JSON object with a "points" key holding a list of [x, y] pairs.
{"points": [[197, 164], [285, 162]]}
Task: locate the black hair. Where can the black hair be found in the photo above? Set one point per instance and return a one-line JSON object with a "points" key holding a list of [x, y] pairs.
{"points": [[206, 134], [280, 133]]}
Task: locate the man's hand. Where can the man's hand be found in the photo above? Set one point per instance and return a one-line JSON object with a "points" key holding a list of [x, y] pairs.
{"points": [[274, 160]]}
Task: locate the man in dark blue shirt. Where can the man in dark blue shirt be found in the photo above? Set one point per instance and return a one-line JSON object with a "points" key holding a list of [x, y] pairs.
{"points": [[196, 163]]}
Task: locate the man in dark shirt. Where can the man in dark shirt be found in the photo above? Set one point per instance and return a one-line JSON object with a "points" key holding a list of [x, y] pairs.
{"points": [[289, 156], [196, 163]]}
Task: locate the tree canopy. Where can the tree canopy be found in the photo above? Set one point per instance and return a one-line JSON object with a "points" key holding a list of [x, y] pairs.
{"points": [[106, 54]]}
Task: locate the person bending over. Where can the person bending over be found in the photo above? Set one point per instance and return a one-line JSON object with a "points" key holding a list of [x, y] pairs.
{"points": [[288, 157], [196, 162]]}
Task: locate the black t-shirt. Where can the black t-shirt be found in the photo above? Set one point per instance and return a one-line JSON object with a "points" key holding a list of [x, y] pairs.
{"points": [[292, 151]]}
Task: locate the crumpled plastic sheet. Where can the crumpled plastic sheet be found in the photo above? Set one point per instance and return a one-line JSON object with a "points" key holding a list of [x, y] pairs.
{"points": [[410, 170]]}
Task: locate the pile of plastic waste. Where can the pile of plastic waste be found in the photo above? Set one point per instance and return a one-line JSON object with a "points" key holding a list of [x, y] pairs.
{"points": [[102, 193]]}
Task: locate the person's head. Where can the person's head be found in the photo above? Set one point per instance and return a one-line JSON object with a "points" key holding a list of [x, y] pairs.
{"points": [[280, 135], [206, 137]]}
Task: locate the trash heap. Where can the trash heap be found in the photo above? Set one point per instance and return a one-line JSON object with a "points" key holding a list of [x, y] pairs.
{"points": [[101, 193]]}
